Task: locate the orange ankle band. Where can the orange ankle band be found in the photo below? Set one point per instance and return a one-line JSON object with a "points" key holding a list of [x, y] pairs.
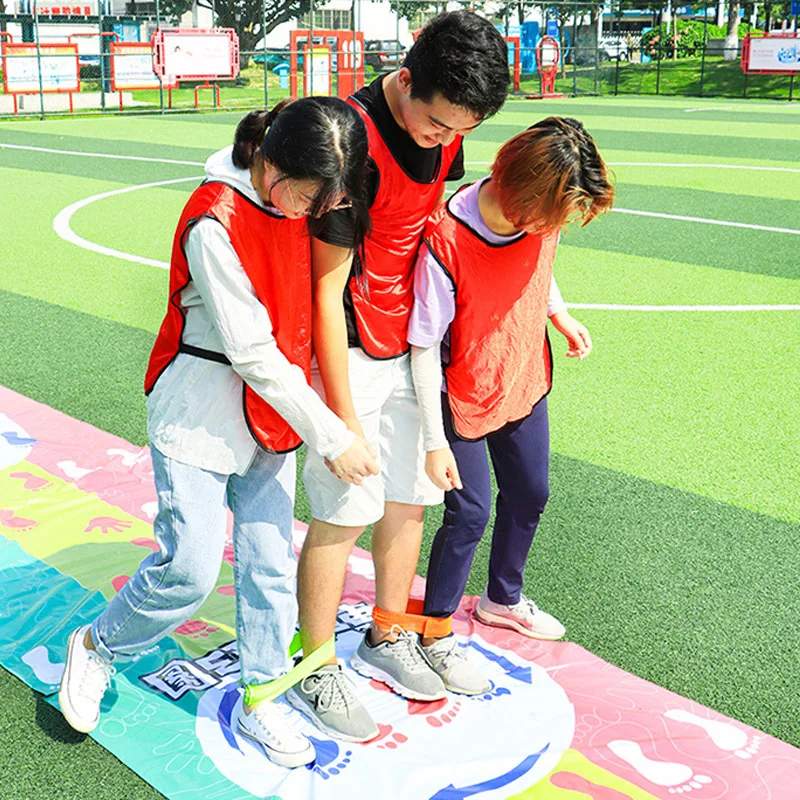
{"points": [[413, 620]]}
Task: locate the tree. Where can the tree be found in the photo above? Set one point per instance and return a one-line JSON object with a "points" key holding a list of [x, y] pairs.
{"points": [[246, 17], [731, 51]]}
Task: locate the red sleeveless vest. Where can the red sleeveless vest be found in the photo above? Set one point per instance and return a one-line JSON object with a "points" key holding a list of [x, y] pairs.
{"points": [[382, 301], [500, 360], [275, 254]]}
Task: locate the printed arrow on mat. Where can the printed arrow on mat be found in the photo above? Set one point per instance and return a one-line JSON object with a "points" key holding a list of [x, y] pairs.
{"points": [[453, 793]]}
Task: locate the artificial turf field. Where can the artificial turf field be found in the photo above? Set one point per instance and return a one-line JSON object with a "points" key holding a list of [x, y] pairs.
{"points": [[670, 544]]}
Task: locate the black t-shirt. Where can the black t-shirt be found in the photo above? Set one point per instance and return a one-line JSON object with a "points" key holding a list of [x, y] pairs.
{"points": [[421, 163]]}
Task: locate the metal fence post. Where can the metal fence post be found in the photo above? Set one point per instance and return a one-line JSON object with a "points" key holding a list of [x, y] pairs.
{"points": [[264, 49], [705, 45], [160, 78], [38, 55], [597, 51], [308, 61], [102, 56], [619, 34], [574, 49], [660, 44]]}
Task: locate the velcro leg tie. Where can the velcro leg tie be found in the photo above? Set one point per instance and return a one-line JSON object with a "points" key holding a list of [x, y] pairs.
{"points": [[267, 692], [413, 620]]}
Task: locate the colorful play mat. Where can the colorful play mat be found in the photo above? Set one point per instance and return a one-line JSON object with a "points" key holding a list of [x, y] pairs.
{"points": [[76, 506]]}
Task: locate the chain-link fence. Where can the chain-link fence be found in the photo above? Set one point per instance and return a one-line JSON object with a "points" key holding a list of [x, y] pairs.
{"points": [[123, 55]]}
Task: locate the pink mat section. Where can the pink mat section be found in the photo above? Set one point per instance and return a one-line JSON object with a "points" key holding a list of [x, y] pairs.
{"points": [[629, 738]]}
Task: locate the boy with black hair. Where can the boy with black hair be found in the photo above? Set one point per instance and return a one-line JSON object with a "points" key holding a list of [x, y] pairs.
{"points": [[455, 76]]}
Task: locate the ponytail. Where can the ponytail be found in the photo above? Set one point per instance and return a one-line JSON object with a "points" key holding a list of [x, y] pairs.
{"points": [[250, 134], [321, 139]]}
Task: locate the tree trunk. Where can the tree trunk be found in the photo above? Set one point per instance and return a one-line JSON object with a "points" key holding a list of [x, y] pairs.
{"points": [[675, 33], [731, 51]]}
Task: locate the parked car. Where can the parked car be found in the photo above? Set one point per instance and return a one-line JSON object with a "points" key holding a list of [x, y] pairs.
{"points": [[275, 56], [612, 48], [384, 54]]}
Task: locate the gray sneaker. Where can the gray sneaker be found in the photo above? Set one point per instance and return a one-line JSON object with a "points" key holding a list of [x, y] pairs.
{"points": [[452, 665], [325, 697], [400, 665]]}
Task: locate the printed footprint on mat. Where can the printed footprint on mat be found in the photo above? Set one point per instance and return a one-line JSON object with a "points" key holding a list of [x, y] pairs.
{"points": [[329, 761], [47, 671], [73, 471], [432, 711], [724, 735], [33, 483], [8, 520], [495, 691], [678, 778], [13, 438], [150, 544], [196, 629], [387, 738]]}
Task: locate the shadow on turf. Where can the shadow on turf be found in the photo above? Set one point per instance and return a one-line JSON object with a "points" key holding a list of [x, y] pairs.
{"points": [[50, 722]]}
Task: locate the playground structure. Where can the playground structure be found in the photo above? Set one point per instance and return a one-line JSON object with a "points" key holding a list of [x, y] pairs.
{"points": [[345, 50], [548, 59]]}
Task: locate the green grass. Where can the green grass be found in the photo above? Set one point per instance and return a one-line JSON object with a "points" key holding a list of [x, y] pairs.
{"points": [[693, 76], [669, 546]]}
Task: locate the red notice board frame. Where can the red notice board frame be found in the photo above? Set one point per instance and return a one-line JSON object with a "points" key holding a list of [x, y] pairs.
{"points": [[122, 49], [746, 50], [159, 61], [28, 49]]}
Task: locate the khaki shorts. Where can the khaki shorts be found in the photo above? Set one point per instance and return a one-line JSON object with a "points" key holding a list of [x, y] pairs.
{"points": [[386, 405]]}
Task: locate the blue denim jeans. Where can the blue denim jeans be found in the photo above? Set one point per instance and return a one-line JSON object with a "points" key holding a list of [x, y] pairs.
{"points": [[171, 584]]}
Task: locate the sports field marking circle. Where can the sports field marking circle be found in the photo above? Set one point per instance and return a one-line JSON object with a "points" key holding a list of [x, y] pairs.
{"points": [[62, 228]]}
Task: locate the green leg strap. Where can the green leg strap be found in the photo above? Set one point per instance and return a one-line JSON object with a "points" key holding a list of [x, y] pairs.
{"points": [[261, 692]]}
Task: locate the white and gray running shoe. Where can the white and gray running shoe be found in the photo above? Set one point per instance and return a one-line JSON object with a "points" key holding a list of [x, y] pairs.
{"points": [[327, 699], [453, 666], [401, 665]]}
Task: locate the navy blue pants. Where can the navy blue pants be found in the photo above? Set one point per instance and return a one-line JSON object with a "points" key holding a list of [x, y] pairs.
{"points": [[520, 453]]}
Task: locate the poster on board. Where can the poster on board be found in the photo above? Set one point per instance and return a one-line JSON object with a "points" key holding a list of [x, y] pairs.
{"points": [[771, 54], [193, 54], [132, 67], [318, 76], [59, 68]]}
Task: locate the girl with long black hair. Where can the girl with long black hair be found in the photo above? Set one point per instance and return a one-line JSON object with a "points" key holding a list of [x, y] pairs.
{"points": [[228, 402]]}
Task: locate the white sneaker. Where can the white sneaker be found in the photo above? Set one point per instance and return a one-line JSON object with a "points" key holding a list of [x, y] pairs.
{"points": [[451, 664], [86, 677], [524, 617], [268, 725]]}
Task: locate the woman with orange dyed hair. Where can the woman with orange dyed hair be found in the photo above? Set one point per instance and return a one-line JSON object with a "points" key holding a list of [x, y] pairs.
{"points": [[483, 294]]}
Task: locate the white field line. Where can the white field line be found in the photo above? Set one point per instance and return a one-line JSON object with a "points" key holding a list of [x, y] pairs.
{"points": [[62, 228], [468, 163], [717, 108], [706, 221], [623, 307], [101, 155], [674, 166]]}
